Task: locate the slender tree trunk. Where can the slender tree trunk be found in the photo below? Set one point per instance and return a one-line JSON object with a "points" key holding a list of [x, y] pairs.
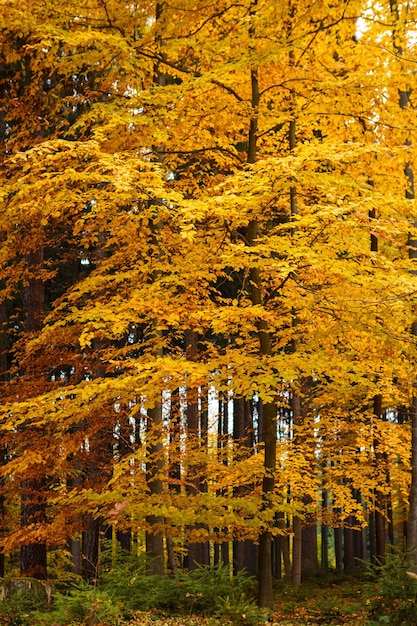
{"points": [[324, 532], [309, 547], [33, 504], [225, 558], [244, 552], [198, 552], [338, 547], [412, 515], [404, 101], [297, 528], [155, 465], [276, 557], [353, 540], [265, 579], [90, 549], [3, 365], [348, 546], [217, 557], [305, 551], [285, 545], [74, 545], [154, 538], [3, 448], [296, 551], [124, 538], [378, 516], [124, 449]]}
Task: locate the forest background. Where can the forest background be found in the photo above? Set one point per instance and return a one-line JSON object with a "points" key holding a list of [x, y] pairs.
{"points": [[208, 283]]}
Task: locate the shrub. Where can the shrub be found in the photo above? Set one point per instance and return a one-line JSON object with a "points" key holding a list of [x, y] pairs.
{"points": [[207, 591], [395, 603], [20, 597]]}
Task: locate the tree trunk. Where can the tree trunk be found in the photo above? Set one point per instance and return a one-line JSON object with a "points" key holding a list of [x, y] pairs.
{"points": [[276, 558], [309, 548], [124, 537], [223, 438], [198, 552], [296, 551], [404, 101], [348, 547], [412, 515], [33, 504], [154, 539], [338, 547], [154, 467], [90, 548], [324, 533], [265, 580], [3, 448], [74, 546], [244, 552]]}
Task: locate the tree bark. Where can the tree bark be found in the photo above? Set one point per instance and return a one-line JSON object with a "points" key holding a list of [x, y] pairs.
{"points": [[265, 579], [309, 549], [338, 547], [3, 448], [404, 102], [154, 538], [90, 547], [324, 533], [198, 552], [33, 503], [348, 547], [244, 552]]}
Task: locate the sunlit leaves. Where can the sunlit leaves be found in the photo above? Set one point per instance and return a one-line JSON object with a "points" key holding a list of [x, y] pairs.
{"points": [[141, 195]]}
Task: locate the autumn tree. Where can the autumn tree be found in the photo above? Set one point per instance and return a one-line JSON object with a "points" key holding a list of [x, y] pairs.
{"points": [[220, 219]]}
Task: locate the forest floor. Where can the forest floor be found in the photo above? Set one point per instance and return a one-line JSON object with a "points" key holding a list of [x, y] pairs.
{"points": [[341, 602], [325, 600]]}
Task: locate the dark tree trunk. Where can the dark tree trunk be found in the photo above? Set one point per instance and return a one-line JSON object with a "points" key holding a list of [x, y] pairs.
{"points": [[154, 537], [90, 548], [309, 550], [33, 555], [380, 460], [222, 417], [372, 537], [281, 522], [325, 534], [225, 545], [33, 503], [244, 552], [198, 552], [338, 547], [74, 546], [391, 540], [296, 551], [380, 532], [124, 538], [276, 558], [348, 547], [265, 578], [33, 561], [3, 449], [412, 516], [404, 102]]}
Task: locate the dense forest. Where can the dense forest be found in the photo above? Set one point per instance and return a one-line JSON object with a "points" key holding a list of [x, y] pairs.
{"points": [[208, 285]]}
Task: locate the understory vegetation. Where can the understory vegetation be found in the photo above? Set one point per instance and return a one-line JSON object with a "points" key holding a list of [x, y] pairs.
{"points": [[126, 595]]}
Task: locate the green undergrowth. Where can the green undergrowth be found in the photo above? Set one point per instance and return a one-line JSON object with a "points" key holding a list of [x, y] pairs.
{"points": [[126, 594], [208, 596], [324, 599]]}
